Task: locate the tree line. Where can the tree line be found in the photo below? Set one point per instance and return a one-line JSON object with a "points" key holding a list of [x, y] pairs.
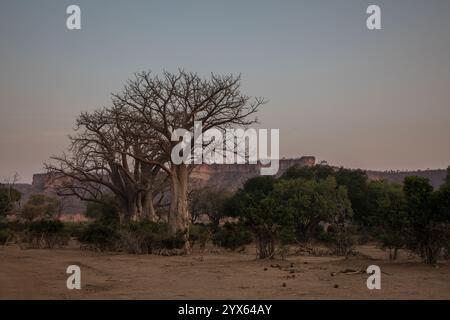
{"points": [[340, 206]]}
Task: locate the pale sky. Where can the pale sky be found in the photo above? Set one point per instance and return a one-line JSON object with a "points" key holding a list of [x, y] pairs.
{"points": [[337, 91]]}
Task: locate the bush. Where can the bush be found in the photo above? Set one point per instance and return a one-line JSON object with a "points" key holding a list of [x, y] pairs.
{"points": [[49, 233], [147, 237], [16, 226], [6, 235], [75, 229], [142, 237], [325, 237], [172, 242], [41, 206], [99, 236], [105, 212], [428, 218], [199, 233], [232, 236], [8, 199], [3, 225], [341, 242]]}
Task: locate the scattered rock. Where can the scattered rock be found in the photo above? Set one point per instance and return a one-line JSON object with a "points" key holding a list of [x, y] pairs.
{"points": [[336, 286], [284, 284], [265, 269], [352, 271]]}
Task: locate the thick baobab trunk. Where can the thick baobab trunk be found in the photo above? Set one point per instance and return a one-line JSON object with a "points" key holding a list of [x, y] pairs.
{"points": [[148, 210], [128, 210], [178, 214], [136, 207]]}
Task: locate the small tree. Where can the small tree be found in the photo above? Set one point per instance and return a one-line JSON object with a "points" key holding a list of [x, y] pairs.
{"points": [[355, 181], [262, 213], [8, 197], [210, 202], [428, 227], [195, 204], [388, 216], [309, 202], [442, 199], [40, 206]]}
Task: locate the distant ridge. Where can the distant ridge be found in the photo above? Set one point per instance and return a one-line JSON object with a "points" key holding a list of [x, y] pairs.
{"points": [[226, 176], [436, 176]]}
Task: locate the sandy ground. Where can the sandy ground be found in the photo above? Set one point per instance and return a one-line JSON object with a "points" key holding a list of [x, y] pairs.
{"points": [[40, 274]]}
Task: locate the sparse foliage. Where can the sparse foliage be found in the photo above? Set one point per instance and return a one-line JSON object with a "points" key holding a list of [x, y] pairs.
{"points": [[40, 206]]}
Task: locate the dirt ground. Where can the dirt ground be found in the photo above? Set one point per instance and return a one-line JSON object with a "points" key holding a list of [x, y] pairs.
{"points": [[40, 274]]}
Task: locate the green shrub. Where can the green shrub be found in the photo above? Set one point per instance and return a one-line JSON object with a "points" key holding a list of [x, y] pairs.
{"points": [[6, 235], [199, 233], [99, 236], [47, 233], [232, 236], [16, 226], [40, 206], [3, 225], [172, 242], [148, 237], [326, 237], [105, 212], [75, 229], [141, 237], [339, 242]]}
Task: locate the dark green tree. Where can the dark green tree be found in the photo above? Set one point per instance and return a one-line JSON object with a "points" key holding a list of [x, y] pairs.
{"points": [[210, 202], [442, 198], [310, 202], [355, 181], [428, 225], [388, 219], [261, 212], [9, 196]]}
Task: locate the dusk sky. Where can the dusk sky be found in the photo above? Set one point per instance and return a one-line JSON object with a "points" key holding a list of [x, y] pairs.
{"points": [[357, 98]]}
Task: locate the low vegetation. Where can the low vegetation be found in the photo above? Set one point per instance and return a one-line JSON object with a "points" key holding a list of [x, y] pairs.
{"points": [[306, 205]]}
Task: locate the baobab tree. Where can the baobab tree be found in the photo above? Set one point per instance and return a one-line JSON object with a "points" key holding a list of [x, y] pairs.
{"points": [[127, 148], [98, 163], [161, 104]]}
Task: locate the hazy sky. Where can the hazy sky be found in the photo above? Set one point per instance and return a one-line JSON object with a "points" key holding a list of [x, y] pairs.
{"points": [[353, 97]]}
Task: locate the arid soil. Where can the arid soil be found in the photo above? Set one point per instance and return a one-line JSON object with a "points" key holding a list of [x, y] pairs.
{"points": [[40, 274]]}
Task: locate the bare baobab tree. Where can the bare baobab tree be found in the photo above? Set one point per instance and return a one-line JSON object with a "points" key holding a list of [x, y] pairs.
{"points": [[127, 147], [98, 163], [175, 101]]}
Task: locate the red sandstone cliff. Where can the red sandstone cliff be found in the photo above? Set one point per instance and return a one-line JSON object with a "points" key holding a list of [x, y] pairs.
{"points": [[227, 176]]}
